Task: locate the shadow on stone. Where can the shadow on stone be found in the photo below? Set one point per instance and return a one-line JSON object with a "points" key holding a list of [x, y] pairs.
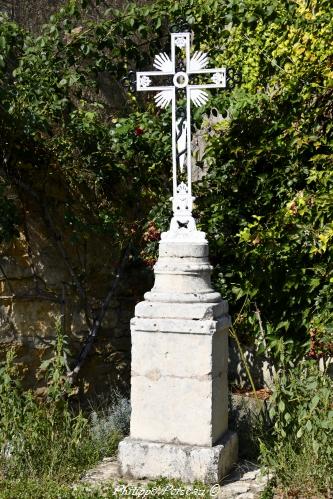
{"points": [[246, 417]]}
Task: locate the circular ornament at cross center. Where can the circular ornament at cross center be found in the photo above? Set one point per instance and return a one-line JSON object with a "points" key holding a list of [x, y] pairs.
{"points": [[180, 80]]}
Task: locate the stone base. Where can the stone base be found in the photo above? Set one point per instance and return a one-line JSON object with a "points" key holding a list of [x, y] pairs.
{"points": [[143, 459]]}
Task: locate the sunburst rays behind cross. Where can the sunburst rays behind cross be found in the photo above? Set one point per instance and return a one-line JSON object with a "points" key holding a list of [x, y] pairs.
{"points": [[183, 77]]}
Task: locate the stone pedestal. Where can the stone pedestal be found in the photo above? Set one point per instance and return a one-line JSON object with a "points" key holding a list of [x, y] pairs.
{"points": [[179, 392]]}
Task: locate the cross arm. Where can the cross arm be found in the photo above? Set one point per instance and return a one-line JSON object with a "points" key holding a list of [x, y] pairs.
{"points": [[211, 78], [145, 79]]}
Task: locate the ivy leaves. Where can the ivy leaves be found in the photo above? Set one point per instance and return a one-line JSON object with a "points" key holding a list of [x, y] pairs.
{"points": [[266, 204], [269, 190]]}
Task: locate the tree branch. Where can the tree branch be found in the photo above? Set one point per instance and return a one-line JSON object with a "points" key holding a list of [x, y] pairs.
{"points": [[94, 322], [7, 279], [72, 376], [57, 238]]}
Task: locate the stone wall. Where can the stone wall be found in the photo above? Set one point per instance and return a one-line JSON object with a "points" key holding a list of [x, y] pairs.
{"points": [[36, 288], [36, 283]]}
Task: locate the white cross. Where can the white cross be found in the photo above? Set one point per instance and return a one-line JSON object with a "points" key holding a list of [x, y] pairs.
{"points": [[182, 79]]}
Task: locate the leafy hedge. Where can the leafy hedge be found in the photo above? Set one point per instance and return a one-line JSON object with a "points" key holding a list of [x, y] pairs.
{"points": [[298, 446], [266, 203]]}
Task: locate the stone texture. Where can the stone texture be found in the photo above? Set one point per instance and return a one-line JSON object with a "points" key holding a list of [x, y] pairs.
{"points": [[244, 482], [178, 373], [246, 420], [176, 410], [36, 288], [179, 392], [146, 309], [144, 459], [261, 368], [182, 274]]}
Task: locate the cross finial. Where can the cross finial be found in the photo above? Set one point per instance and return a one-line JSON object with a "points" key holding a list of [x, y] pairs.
{"points": [[187, 77]]}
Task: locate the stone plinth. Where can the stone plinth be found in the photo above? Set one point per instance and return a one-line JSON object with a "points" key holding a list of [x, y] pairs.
{"points": [[179, 392]]}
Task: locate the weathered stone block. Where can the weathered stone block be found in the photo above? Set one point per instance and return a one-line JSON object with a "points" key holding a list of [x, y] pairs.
{"points": [[179, 392], [185, 376], [144, 459]]}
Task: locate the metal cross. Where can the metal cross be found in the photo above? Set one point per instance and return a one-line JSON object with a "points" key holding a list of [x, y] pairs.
{"points": [[187, 77]]}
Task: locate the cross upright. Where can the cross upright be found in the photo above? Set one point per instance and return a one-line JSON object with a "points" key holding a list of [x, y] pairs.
{"points": [[187, 77]]}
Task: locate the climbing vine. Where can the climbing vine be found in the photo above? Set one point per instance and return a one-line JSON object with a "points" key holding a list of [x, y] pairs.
{"points": [[266, 203]]}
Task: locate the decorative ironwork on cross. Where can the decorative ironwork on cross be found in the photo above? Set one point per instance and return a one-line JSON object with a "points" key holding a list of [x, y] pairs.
{"points": [[187, 77]]}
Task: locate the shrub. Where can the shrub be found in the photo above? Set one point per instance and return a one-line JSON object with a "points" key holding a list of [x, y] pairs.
{"points": [[299, 447], [46, 438], [266, 203], [111, 420]]}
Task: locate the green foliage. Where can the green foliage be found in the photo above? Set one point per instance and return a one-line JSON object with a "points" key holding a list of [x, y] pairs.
{"points": [[55, 368], [57, 127], [48, 489], [110, 420], [45, 438], [52, 489], [299, 448], [40, 489], [266, 203]]}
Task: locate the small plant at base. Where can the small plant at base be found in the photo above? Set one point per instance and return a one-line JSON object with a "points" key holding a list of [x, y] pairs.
{"points": [[109, 424], [55, 368], [43, 439], [299, 447]]}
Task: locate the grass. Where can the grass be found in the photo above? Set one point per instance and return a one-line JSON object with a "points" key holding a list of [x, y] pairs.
{"points": [[294, 430], [300, 474], [46, 446], [43, 489], [52, 489], [297, 448]]}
